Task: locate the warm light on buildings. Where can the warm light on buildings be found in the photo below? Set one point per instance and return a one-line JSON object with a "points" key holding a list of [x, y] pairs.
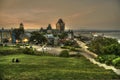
{"points": [[10, 39], [25, 40], [17, 41]]}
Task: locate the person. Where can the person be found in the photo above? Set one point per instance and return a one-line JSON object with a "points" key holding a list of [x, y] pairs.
{"points": [[17, 60], [13, 60]]}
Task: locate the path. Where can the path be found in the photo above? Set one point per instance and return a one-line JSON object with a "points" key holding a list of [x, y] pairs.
{"points": [[90, 55], [51, 50]]}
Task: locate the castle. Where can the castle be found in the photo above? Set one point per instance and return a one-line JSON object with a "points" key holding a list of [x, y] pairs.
{"points": [[5, 35], [60, 27], [14, 34]]}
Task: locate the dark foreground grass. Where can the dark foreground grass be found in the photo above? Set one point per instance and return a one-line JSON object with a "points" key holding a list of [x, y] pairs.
{"points": [[33, 67]]}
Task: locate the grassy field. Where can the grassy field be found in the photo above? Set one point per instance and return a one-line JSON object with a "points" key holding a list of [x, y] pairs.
{"points": [[33, 67], [8, 48]]}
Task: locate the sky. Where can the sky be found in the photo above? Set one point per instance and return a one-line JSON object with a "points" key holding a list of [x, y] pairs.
{"points": [[77, 14]]}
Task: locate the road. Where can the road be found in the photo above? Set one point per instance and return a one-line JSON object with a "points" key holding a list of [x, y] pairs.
{"points": [[85, 50], [51, 50]]}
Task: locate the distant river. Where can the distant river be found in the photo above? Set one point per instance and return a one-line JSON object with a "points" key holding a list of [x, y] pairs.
{"points": [[115, 35]]}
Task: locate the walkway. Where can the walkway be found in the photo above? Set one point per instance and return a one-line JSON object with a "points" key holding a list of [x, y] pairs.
{"points": [[51, 50], [90, 55]]}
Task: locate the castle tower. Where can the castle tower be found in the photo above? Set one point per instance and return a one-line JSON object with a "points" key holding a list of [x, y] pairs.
{"points": [[49, 29], [60, 25], [21, 27]]}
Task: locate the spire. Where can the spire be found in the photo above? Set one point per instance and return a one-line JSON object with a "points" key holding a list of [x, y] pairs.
{"points": [[2, 28], [21, 26], [41, 29], [21, 23], [49, 27]]}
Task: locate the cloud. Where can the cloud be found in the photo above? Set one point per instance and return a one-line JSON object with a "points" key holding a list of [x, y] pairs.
{"points": [[89, 14]]}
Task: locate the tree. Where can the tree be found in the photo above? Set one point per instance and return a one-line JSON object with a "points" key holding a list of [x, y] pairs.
{"points": [[112, 49], [64, 53], [5, 40], [102, 45], [63, 35], [37, 37]]}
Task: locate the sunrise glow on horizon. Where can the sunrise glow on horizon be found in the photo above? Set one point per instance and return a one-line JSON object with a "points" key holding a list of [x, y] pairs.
{"points": [[77, 14]]}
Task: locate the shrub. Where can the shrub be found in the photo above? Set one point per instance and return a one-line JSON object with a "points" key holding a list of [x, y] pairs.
{"points": [[116, 61], [72, 49], [101, 59], [65, 47], [78, 54], [107, 59], [26, 44], [28, 51], [44, 54], [104, 45], [1, 44], [64, 53], [18, 45], [8, 52], [5, 45]]}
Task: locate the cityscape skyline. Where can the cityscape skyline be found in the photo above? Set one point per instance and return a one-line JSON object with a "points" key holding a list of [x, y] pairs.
{"points": [[77, 14]]}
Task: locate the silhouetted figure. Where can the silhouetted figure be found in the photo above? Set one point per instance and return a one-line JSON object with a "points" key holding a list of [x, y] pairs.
{"points": [[17, 60], [13, 60]]}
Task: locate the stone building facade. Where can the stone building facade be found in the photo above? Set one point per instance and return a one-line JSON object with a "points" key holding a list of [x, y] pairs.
{"points": [[5, 35], [60, 25]]}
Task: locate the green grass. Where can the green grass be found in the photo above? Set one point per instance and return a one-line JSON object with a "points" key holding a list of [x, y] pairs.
{"points": [[33, 67], [8, 48]]}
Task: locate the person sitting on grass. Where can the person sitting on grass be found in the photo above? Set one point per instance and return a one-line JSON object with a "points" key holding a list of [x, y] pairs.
{"points": [[13, 60], [17, 60]]}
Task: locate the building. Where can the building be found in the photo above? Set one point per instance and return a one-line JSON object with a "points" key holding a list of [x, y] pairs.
{"points": [[50, 39], [21, 26], [5, 35], [48, 30], [11, 35], [60, 25], [70, 34]]}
